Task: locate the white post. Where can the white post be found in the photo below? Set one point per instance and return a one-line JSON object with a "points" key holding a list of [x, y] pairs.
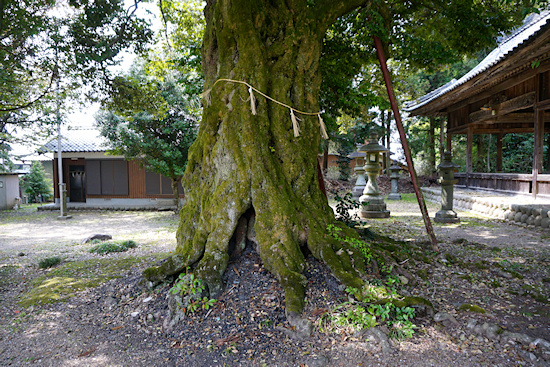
{"points": [[59, 165]]}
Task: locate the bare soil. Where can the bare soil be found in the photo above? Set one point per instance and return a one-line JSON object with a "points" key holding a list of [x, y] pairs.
{"points": [[502, 268]]}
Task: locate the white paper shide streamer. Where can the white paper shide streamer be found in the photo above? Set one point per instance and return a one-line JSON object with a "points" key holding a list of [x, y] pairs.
{"points": [[295, 125], [252, 101], [206, 96], [323, 127]]}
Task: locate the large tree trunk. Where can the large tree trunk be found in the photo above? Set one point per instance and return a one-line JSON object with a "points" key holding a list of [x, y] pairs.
{"points": [[243, 163]]}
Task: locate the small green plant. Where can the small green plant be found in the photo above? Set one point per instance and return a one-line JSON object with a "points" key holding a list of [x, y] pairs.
{"points": [[49, 262], [265, 323], [353, 316], [362, 246], [109, 247], [349, 316], [190, 290], [401, 325], [344, 205], [386, 268]]}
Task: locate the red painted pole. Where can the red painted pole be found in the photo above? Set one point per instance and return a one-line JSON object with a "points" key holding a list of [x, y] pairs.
{"points": [[404, 143]]}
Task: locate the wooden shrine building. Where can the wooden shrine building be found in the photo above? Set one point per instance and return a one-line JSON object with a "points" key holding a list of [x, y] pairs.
{"points": [[507, 92]]}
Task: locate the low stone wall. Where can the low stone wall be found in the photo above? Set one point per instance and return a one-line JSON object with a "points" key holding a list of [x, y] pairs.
{"points": [[107, 207], [531, 214]]}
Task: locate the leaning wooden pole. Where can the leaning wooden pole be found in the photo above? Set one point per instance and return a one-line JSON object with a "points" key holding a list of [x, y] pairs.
{"points": [[404, 143]]}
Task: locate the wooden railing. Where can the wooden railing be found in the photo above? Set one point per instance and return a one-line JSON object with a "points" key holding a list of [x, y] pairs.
{"points": [[515, 183]]}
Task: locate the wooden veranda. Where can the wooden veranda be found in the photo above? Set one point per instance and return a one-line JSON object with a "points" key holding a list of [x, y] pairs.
{"points": [[508, 92]]}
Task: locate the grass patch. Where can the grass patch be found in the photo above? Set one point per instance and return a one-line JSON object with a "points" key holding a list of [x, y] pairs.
{"points": [[110, 247], [63, 282], [49, 262], [409, 198]]}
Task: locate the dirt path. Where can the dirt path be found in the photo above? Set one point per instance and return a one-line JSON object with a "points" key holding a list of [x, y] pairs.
{"points": [[504, 269]]}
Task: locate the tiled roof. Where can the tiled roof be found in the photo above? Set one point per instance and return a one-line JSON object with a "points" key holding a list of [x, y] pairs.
{"points": [[507, 45], [83, 140]]}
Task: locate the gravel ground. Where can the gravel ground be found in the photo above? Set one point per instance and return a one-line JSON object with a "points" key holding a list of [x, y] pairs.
{"points": [[502, 268]]}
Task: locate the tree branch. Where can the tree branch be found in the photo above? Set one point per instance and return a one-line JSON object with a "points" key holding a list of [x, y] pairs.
{"points": [[161, 7], [46, 91], [329, 10]]}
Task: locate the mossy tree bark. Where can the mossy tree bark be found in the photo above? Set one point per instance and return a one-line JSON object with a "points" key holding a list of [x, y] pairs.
{"points": [[242, 162]]}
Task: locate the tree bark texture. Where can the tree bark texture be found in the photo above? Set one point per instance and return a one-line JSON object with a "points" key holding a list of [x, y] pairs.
{"points": [[243, 163]]}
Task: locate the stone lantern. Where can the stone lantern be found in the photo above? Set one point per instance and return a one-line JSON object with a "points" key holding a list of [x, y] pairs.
{"points": [[394, 176], [360, 171], [447, 181], [372, 203]]}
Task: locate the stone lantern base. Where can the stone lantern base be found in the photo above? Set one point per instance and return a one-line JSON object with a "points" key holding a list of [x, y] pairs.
{"points": [[446, 216], [358, 191], [373, 207], [394, 196]]}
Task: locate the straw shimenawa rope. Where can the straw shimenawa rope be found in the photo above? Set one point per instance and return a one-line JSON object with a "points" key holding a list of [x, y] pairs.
{"points": [[251, 90]]}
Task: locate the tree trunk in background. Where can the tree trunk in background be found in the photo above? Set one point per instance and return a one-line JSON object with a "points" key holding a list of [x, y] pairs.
{"points": [[441, 137], [325, 158], [481, 154], [431, 145], [388, 130], [176, 192], [251, 168], [488, 153]]}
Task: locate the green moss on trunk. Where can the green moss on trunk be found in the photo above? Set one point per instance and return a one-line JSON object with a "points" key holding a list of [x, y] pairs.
{"points": [[242, 161]]}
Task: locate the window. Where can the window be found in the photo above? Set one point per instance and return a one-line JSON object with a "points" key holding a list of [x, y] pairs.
{"points": [[156, 184], [107, 177]]}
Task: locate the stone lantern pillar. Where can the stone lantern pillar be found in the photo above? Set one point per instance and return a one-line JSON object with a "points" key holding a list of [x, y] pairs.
{"points": [[394, 176], [372, 203], [360, 171], [447, 181]]}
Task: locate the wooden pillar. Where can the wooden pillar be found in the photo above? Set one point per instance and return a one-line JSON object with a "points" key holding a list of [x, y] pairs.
{"points": [[539, 138], [469, 154], [538, 149], [499, 152], [448, 136], [442, 138], [431, 144], [55, 178], [449, 142]]}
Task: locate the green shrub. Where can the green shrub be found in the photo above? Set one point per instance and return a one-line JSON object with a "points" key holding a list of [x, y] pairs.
{"points": [[109, 247], [36, 185], [355, 316], [190, 294], [343, 206], [49, 262]]}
